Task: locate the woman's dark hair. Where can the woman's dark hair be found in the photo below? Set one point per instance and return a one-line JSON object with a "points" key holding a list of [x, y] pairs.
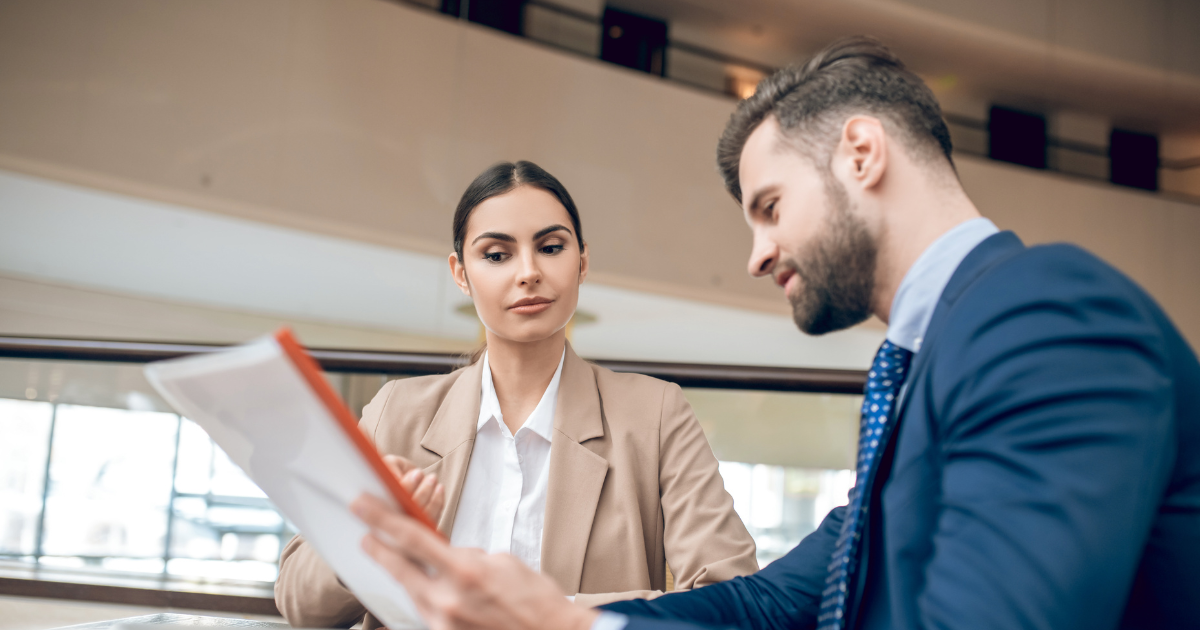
{"points": [[497, 180], [502, 178]]}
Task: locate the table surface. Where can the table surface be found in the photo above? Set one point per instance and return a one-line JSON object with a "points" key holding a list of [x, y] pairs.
{"points": [[174, 619]]}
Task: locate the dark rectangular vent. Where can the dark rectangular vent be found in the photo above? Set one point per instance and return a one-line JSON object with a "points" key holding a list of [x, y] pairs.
{"points": [[634, 41], [1017, 137], [504, 15], [1133, 159]]}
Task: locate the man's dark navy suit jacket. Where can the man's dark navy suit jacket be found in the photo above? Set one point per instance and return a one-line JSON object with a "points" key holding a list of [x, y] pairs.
{"points": [[1044, 470]]}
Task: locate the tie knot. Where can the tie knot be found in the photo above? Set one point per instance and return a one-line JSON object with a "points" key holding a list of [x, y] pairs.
{"points": [[889, 368]]}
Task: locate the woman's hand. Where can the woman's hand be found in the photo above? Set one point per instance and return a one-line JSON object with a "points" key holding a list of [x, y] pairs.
{"points": [[463, 588], [425, 489]]}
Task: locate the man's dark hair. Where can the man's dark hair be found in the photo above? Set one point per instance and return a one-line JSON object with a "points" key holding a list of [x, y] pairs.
{"points": [[855, 75]]}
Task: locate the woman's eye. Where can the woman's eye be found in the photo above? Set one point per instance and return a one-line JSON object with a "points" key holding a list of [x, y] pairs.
{"points": [[494, 256], [552, 249]]}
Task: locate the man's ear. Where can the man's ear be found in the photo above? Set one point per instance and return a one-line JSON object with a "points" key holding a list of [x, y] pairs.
{"points": [[864, 150], [459, 272], [583, 262]]}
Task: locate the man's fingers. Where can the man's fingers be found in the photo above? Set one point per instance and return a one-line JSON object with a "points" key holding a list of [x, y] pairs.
{"points": [[408, 536], [416, 581]]}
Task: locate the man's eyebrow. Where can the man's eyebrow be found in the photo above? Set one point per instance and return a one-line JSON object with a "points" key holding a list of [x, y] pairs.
{"points": [[499, 236], [553, 228]]}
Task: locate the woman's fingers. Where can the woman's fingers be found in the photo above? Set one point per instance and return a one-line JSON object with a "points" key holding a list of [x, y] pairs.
{"points": [[424, 491], [399, 465], [437, 503], [412, 480]]}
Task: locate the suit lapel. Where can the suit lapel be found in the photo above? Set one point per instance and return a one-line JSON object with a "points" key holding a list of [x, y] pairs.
{"points": [[576, 474], [451, 435], [986, 255]]}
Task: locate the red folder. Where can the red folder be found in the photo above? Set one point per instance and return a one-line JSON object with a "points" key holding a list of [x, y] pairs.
{"points": [[308, 368]]}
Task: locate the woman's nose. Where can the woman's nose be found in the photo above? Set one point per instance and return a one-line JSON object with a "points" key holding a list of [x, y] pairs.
{"points": [[529, 272]]}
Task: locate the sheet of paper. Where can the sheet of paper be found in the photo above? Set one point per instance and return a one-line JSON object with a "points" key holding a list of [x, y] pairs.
{"points": [[255, 404]]}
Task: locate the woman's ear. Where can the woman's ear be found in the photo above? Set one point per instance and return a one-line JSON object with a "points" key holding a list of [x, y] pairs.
{"points": [[583, 262], [459, 272]]}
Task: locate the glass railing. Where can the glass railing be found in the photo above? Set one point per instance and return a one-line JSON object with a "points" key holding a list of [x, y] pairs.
{"points": [[98, 473]]}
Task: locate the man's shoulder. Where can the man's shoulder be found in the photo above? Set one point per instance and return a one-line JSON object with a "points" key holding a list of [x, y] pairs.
{"points": [[1044, 294], [1053, 276], [1058, 264]]}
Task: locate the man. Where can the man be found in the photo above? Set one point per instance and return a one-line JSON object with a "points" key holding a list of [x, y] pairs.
{"points": [[1030, 445]]}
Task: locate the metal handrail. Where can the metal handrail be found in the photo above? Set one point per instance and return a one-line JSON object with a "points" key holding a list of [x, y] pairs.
{"points": [[715, 376]]}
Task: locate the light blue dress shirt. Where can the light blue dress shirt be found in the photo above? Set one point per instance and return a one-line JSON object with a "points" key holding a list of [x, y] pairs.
{"points": [[922, 286], [912, 308]]}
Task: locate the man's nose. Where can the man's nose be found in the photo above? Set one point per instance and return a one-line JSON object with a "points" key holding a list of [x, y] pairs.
{"points": [[763, 256]]}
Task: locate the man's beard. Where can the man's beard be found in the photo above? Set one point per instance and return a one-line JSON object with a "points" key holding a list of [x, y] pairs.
{"points": [[837, 272]]}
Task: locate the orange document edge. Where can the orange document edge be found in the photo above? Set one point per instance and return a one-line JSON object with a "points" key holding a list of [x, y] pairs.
{"points": [[337, 408]]}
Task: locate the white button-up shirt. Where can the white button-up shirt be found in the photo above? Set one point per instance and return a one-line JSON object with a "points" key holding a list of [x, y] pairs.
{"points": [[503, 503]]}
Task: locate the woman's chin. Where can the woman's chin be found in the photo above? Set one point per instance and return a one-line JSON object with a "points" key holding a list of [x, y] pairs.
{"points": [[528, 334]]}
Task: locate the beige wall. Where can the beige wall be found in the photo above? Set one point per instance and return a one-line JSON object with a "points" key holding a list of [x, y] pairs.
{"points": [[365, 119], [1148, 236]]}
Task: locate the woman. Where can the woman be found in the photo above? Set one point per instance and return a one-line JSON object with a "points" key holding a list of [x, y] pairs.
{"points": [[599, 480]]}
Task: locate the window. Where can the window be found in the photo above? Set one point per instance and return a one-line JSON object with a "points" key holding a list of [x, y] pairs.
{"points": [[97, 472], [122, 484]]}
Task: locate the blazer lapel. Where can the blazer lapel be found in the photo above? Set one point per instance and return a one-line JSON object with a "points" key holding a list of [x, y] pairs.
{"points": [[986, 255], [451, 435], [576, 474]]}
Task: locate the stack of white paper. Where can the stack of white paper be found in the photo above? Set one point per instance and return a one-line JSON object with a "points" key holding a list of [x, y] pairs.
{"points": [[256, 404]]}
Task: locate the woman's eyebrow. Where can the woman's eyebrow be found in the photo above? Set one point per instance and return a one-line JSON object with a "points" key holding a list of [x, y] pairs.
{"points": [[553, 228], [499, 236]]}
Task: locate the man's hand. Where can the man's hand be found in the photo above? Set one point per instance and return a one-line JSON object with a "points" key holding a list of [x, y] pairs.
{"points": [[463, 588], [426, 490]]}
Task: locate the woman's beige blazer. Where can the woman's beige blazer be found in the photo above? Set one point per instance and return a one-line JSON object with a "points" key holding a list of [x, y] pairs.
{"points": [[633, 487]]}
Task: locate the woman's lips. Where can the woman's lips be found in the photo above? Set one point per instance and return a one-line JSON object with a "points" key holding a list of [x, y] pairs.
{"points": [[530, 307]]}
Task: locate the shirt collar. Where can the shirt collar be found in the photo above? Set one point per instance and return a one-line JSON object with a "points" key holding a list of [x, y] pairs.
{"points": [[540, 421], [922, 287]]}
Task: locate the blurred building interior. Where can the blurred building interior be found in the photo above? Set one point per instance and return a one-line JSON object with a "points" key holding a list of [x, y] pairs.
{"points": [[207, 171]]}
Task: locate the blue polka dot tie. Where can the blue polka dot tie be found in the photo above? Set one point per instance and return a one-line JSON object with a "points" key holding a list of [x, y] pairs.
{"points": [[883, 386]]}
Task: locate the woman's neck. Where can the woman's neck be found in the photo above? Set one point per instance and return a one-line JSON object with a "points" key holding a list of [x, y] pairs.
{"points": [[521, 372]]}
